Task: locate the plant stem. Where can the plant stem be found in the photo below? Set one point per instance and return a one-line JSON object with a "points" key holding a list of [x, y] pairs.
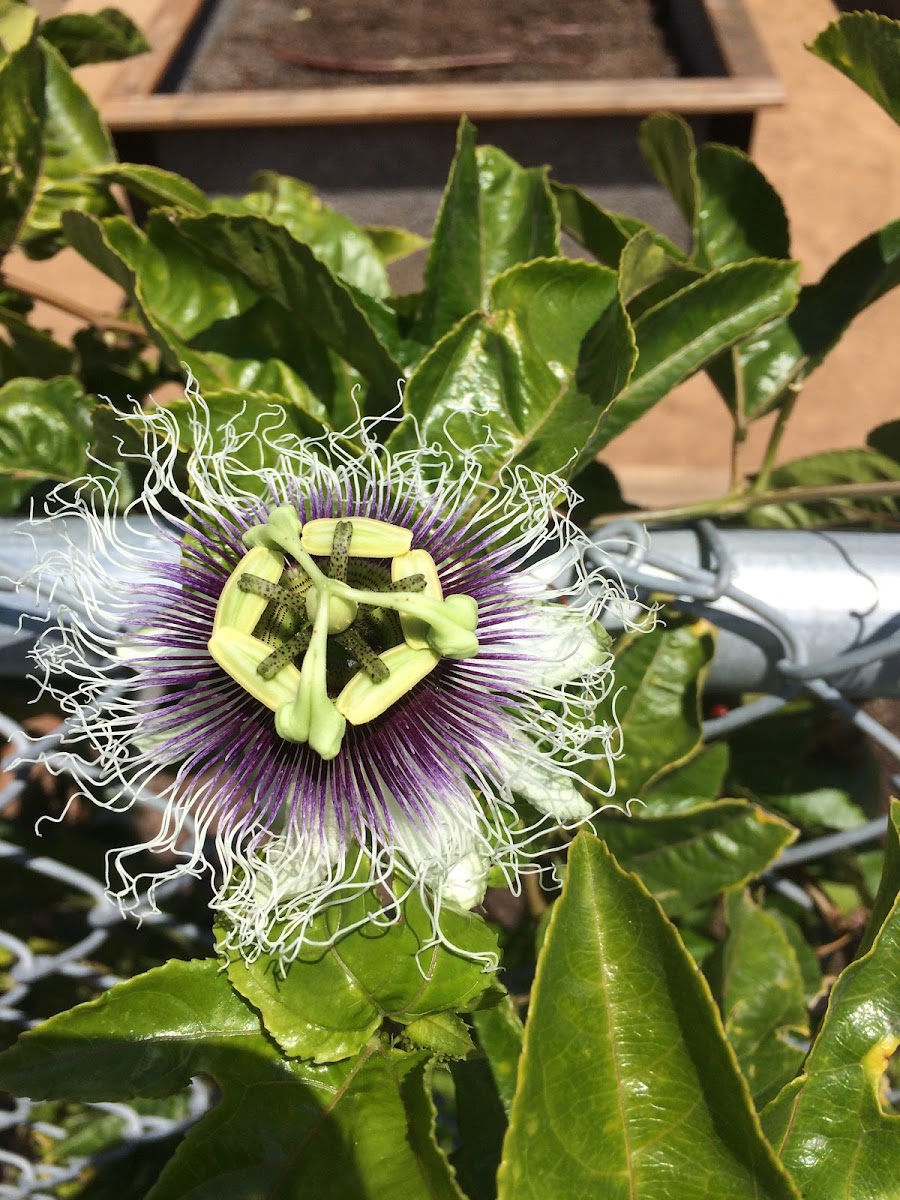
{"points": [[771, 451], [75, 308], [734, 504], [739, 435]]}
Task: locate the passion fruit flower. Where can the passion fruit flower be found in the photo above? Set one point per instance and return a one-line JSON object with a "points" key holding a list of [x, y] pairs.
{"points": [[349, 668]]}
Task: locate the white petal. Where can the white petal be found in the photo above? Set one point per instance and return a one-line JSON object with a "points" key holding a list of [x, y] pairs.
{"points": [[569, 643], [546, 787]]}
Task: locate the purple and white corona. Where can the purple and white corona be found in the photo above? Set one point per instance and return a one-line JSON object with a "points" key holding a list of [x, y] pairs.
{"points": [[349, 669]]}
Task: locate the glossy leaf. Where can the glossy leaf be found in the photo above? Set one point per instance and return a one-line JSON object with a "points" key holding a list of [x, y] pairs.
{"points": [[340, 243], [493, 215], [787, 350], [44, 431], [281, 1128], [739, 214], [358, 327], [830, 467], [658, 680], [648, 274], [29, 350], [763, 1002], [75, 143], [392, 243], [23, 106], [688, 858], [667, 144], [528, 372], [519, 221], [866, 48], [105, 36], [500, 1034], [331, 1001], [681, 334], [627, 1085], [603, 233], [156, 187], [481, 1126], [831, 1127], [889, 885], [701, 776]]}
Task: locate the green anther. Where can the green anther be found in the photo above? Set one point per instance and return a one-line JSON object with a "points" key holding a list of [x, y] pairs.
{"points": [[371, 538], [340, 550], [285, 653], [236, 608], [362, 700], [356, 645]]}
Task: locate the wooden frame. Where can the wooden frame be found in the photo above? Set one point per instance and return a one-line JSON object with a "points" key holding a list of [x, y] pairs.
{"points": [[124, 92]]}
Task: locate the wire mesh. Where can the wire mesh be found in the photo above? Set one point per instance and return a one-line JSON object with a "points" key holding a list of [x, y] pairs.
{"points": [[38, 1156]]}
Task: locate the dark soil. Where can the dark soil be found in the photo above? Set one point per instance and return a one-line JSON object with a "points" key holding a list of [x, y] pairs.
{"points": [[288, 44]]}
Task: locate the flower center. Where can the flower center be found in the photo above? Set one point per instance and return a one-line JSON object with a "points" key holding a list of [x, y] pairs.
{"points": [[334, 621]]}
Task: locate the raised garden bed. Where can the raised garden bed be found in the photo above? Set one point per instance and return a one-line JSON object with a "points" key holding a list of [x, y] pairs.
{"points": [[379, 147]]}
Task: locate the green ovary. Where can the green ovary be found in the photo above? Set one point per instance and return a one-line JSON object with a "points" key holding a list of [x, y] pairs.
{"points": [[323, 641]]}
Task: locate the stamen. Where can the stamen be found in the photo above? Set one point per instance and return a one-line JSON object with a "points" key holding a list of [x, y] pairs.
{"points": [[362, 700], [371, 538], [238, 610]]}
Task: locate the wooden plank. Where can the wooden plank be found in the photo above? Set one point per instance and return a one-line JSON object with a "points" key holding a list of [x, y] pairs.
{"points": [[738, 43], [164, 23], [320, 106]]}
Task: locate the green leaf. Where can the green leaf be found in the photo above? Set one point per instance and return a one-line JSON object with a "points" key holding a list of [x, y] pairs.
{"points": [[684, 332], [444, 1034], [156, 187], [359, 328], [531, 373], [830, 467], [885, 439], [493, 215], [106, 36], [392, 244], [329, 1002], [603, 233], [866, 48], [763, 1002], [648, 274], [30, 351], [519, 221], [788, 350], [145, 1037], [17, 25], [739, 214], [687, 858], [23, 106], [702, 775], [627, 1085], [831, 1126], [75, 143], [45, 427], [889, 885], [481, 1126], [500, 1034], [285, 1128], [667, 144], [344, 247], [657, 704], [246, 412]]}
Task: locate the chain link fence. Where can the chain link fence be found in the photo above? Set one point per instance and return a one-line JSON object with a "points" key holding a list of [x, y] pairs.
{"points": [[798, 613]]}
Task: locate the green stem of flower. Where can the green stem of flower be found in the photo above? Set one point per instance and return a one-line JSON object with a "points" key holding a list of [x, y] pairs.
{"points": [[775, 436]]}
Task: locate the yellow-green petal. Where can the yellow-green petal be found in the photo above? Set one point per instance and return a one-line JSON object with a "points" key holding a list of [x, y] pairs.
{"points": [[241, 610], [417, 562], [371, 538], [240, 654]]}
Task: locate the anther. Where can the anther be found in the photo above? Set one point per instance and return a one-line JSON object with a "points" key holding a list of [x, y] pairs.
{"points": [[285, 653], [356, 645], [273, 591]]}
